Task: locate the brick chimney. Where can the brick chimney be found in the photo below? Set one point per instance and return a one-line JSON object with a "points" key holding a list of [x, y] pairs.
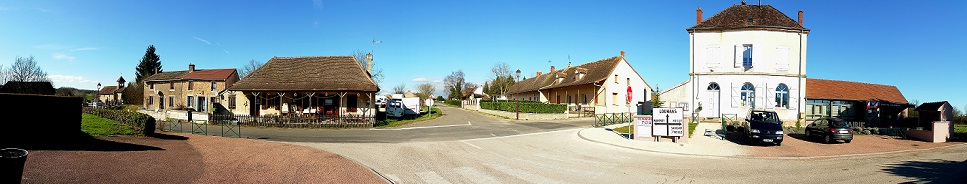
{"points": [[538, 74], [191, 68], [698, 15], [622, 53], [800, 18], [369, 62], [552, 69]]}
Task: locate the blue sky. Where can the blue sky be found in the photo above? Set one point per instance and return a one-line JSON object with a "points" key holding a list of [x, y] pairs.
{"points": [[914, 45]]}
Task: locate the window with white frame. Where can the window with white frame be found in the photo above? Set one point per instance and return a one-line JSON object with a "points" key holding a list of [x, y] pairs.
{"points": [[214, 85], [748, 95], [782, 96], [747, 56]]}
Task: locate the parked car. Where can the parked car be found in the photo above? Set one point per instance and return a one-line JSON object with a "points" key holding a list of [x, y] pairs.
{"points": [[830, 129], [763, 126]]}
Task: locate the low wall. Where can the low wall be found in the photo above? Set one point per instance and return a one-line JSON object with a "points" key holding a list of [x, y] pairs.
{"points": [[526, 116], [164, 115], [942, 130], [31, 118]]}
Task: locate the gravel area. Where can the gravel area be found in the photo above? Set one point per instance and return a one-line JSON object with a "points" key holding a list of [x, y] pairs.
{"points": [[185, 158]]}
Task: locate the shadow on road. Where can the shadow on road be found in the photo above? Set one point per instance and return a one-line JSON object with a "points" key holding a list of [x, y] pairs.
{"points": [[168, 136], [741, 139], [77, 141], [934, 171]]}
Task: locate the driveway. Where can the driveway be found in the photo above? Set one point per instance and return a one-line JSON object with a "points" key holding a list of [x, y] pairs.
{"points": [[797, 145]]}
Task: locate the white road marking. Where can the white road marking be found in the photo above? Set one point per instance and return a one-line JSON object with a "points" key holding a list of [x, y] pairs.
{"points": [[524, 175], [475, 175], [431, 177], [410, 128], [509, 136], [475, 146], [393, 177]]}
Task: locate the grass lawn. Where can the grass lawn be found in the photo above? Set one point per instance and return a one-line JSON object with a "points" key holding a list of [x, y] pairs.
{"points": [[398, 122], [627, 129], [97, 126], [960, 128]]}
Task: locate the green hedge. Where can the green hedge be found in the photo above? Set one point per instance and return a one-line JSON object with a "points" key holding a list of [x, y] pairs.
{"points": [[141, 123], [452, 102], [525, 107]]}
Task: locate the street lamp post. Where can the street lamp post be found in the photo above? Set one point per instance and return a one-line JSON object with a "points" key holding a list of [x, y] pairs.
{"points": [[97, 95]]}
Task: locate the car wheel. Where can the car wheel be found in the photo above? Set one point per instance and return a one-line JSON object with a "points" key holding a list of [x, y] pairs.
{"points": [[848, 140], [827, 139], [779, 144], [807, 134]]}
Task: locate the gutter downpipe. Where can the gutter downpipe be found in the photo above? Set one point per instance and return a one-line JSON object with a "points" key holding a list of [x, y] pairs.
{"points": [[803, 90], [693, 78]]}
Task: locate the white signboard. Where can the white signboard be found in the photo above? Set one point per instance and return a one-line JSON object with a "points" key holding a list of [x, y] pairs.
{"points": [[428, 102], [643, 125], [669, 122]]}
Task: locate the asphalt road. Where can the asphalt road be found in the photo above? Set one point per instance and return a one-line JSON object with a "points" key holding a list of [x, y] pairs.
{"points": [[455, 124], [466, 147]]}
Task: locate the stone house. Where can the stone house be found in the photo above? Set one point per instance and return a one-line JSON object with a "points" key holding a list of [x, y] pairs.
{"points": [[112, 94], [600, 86], [187, 89]]}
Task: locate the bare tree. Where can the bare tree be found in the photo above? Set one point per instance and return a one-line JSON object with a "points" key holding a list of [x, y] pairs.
{"points": [[3, 75], [425, 90], [400, 89], [26, 70], [454, 84], [248, 68], [500, 69], [376, 74]]}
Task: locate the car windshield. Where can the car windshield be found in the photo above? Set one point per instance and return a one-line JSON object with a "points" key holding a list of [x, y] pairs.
{"points": [[838, 123], [769, 117]]}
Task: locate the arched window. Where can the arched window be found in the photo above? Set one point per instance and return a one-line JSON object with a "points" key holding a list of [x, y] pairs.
{"points": [[713, 86], [748, 95], [782, 96]]}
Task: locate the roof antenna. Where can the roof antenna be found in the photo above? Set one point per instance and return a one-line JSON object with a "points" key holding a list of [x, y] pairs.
{"points": [[373, 49], [568, 60]]}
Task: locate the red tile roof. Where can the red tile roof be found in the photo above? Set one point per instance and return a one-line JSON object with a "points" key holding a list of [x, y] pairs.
{"points": [[737, 17], [846, 90], [210, 74], [309, 73], [595, 72]]}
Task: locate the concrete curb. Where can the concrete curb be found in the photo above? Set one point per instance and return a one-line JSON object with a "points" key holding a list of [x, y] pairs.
{"points": [[765, 157]]}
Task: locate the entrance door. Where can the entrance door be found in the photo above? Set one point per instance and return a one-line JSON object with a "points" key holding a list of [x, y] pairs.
{"points": [[713, 96], [202, 104], [161, 100]]}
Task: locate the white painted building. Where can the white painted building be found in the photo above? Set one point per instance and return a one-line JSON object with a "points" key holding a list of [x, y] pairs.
{"points": [[745, 57]]}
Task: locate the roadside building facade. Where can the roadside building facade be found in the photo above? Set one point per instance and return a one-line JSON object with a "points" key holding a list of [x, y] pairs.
{"points": [[193, 89], [745, 57], [874, 104], [600, 86], [317, 86]]}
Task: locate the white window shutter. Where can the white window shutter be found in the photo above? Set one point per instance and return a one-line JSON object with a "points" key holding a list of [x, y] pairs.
{"points": [[793, 98], [770, 98], [738, 55], [760, 97], [782, 58], [736, 96]]}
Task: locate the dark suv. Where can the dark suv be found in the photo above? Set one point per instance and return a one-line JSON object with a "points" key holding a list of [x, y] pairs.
{"points": [[830, 129], [763, 127]]}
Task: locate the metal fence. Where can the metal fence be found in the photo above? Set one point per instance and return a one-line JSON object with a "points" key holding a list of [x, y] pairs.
{"points": [[295, 121], [606, 119]]}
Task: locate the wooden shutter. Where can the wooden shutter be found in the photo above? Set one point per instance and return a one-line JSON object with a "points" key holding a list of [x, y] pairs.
{"points": [[782, 58], [793, 98], [736, 96], [760, 97], [738, 56]]}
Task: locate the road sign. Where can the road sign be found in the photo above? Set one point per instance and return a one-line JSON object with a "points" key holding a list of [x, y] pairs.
{"points": [[428, 102], [669, 122], [643, 127], [629, 95]]}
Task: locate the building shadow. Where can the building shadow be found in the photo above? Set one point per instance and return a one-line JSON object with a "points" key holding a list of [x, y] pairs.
{"points": [[740, 139], [167, 136], [933, 171], [79, 141]]}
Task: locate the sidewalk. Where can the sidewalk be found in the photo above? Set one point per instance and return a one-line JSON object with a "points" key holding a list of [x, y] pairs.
{"points": [[699, 144]]}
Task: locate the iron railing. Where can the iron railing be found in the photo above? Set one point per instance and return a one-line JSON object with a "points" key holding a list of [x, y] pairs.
{"points": [[296, 121]]}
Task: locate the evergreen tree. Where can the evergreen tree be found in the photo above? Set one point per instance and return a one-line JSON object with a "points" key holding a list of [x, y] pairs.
{"points": [[150, 64]]}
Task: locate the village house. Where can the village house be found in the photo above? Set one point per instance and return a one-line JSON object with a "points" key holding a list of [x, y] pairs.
{"points": [[193, 89], [112, 95], [745, 57], [601, 86], [310, 86], [874, 104]]}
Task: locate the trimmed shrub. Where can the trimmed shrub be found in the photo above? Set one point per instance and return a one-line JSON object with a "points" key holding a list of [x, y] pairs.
{"points": [[525, 107], [455, 103], [140, 122]]}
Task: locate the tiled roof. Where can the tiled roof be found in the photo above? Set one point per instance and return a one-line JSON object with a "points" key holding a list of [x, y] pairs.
{"points": [[737, 17], [108, 90], [594, 72], [932, 106], [164, 76], [311, 73], [210, 74], [846, 90]]}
